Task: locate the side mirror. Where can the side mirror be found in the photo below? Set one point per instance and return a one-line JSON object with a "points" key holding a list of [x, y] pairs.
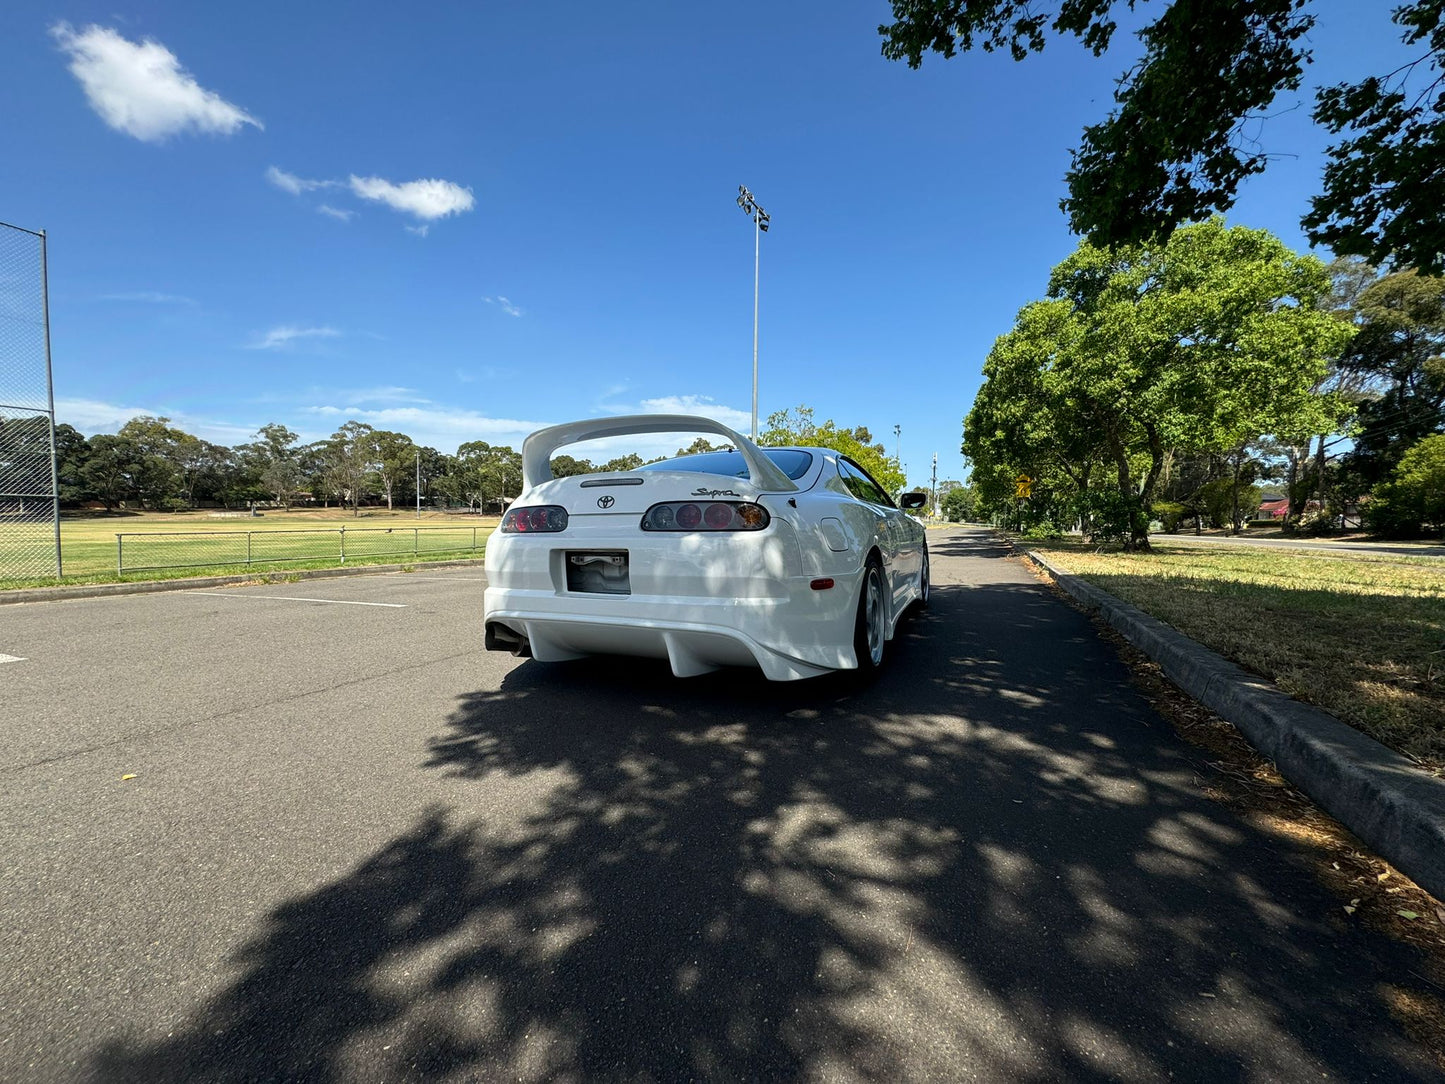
{"points": [[910, 501]]}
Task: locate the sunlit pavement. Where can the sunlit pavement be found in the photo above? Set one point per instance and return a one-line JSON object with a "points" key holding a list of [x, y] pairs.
{"points": [[355, 847]]}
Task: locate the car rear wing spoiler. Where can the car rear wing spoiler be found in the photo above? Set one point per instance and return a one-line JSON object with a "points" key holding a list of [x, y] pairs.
{"points": [[538, 448]]}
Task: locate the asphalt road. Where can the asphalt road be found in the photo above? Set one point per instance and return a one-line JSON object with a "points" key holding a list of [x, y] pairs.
{"points": [[356, 847]]}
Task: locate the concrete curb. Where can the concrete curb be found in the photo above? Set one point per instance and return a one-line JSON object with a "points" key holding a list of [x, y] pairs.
{"points": [[146, 587], [1373, 791]]}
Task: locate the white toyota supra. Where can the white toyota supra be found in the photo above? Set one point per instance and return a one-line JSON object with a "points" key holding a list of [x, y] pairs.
{"points": [[792, 560]]}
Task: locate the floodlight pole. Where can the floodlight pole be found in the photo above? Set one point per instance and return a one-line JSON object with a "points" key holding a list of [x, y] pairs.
{"points": [[757, 265], [418, 484], [760, 225]]}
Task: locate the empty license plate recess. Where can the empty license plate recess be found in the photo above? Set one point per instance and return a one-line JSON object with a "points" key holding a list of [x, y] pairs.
{"points": [[599, 572]]}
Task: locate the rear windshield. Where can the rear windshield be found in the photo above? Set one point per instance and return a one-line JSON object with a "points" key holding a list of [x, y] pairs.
{"points": [[793, 463]]}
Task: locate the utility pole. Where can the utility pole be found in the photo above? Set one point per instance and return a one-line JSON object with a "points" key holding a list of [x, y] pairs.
{"points": [[760, 226], [898, 444], [935, 485]]}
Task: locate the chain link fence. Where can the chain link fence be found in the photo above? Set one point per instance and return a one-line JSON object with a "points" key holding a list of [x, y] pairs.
{"points": [[29, 502], [136, 552]]}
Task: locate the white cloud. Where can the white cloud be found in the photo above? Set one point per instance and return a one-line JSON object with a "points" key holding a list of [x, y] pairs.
{"points": [[92, 416], [431, 426], [287, 334], [739, 420], [391, 393], [426, 199], [652, 445], [333, 212], [289, 182], [150, 297], [141, 89], [420, 231], [504, 304]]}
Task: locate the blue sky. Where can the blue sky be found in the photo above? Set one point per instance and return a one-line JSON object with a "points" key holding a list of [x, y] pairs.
{"points": [[236, 237]]}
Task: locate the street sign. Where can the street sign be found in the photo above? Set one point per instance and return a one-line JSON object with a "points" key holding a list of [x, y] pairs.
{"points": [[1023, 484]]}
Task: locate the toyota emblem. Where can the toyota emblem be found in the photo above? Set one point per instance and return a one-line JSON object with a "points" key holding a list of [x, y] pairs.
{"points": [[607, 501]]}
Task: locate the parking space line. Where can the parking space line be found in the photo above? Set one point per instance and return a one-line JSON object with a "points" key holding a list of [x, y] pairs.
{"points": [[10, 658], [294, 598]]}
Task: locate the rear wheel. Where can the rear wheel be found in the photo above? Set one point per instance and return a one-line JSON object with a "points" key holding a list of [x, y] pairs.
{"points": [[870, 630], [924, 584]]}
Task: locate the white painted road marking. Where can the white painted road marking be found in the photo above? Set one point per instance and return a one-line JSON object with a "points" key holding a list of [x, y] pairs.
{"points": [[293, 598], [10, 658]]}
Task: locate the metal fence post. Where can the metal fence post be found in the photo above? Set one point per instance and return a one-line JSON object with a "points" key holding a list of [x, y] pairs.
{"points": [[474, 540], [248, 547], [343, 545], [29, 493], [415, 542], [119, 555]]}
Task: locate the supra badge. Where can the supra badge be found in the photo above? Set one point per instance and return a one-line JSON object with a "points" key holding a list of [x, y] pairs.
{"points": [[606, 502]]}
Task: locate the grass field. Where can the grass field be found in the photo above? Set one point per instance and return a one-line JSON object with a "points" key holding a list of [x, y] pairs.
{"points": [[278, 542], [1360, 635]]}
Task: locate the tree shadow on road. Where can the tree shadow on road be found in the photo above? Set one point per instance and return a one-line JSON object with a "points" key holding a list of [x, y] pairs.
{"points": [[995, 862]]}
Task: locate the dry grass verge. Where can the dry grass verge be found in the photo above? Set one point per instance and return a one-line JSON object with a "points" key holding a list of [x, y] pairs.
{"points": [[1361, 636]]}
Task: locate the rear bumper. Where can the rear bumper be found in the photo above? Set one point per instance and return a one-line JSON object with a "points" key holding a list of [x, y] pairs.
{"points": [[798, 633]]}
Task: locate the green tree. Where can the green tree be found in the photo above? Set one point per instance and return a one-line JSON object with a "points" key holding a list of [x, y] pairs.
{"points": [[396, 461], [1176, 145], [1414, 498], [489, 473], [434, 468], [1398, 356], [1202, 344], [1384, 191], [702, 445], [159, 479], [234, 481], [566, 466], [630, 461], [276, 461], [71, 452], [960, 504], [111, 468], [796, 427], [313, 462], [350, 456]]}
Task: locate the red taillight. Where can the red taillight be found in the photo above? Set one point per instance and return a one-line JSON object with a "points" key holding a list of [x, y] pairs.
{"points": [[543, 519], [716, 516], [821, 585]]}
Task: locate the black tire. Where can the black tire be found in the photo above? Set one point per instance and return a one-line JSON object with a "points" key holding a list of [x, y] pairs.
{"points": [[925, 584], [870, 626]]}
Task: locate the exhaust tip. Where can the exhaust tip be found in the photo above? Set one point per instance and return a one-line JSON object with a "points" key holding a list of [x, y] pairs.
{"points": [[499, 637]]}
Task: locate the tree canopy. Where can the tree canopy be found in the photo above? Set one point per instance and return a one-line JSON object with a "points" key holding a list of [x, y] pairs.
{"points": [[158, 466], [1177, 144], [1399, 358], [1201, 344], [797, 427]]}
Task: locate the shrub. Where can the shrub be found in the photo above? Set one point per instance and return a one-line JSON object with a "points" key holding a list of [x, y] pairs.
{"points": [[1107, 515], [1414, 498], [1043, 532], [1169, 513]]}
